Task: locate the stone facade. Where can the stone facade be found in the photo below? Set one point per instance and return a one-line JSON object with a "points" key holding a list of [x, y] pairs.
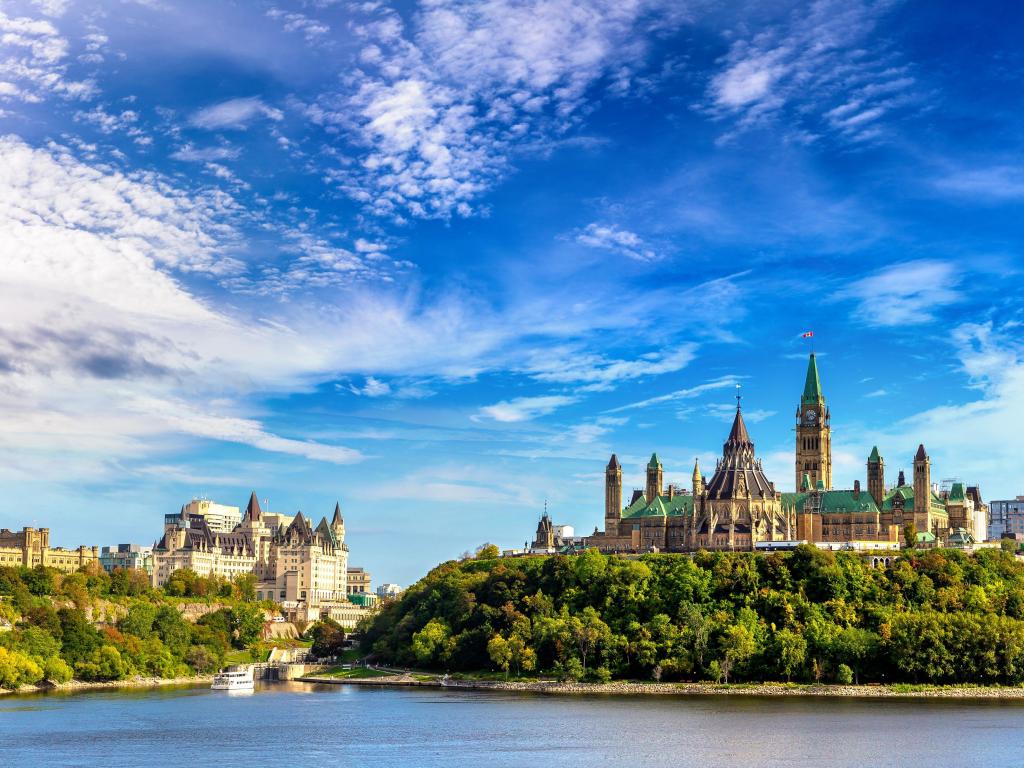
{"points": [[739, 508], [299, 566], [30, 547]]}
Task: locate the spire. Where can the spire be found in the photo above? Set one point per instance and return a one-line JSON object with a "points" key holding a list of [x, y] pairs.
{"points": [[654, 462], [812, 386], [738, 433], [874, 458], [613, 462], [253, 511], [921, 455], [337, 514], [696, 468]]}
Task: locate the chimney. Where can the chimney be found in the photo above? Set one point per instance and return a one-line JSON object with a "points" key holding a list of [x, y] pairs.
{"points": [[671, 492], [856, 489]]}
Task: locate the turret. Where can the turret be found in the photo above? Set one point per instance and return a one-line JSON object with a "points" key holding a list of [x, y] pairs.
{"points": [[612, 496], [654, 478], [922, 488], [698, 479], [876, 476], [338, 523]]}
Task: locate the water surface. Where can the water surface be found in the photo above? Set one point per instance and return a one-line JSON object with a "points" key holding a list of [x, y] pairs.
{"points": [[305, 725]]}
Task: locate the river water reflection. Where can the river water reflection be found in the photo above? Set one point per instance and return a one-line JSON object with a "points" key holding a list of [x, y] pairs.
{"points": [[305, 725]]}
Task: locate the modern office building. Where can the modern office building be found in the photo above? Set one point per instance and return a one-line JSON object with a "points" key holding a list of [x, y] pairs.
{"points": [[1006, 516], [127, 556]]}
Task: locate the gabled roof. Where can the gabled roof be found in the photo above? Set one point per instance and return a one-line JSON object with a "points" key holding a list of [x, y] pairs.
{"points": [[812, 384], [662, 506]]}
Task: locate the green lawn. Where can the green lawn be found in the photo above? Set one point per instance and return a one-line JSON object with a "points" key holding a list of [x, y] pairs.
{"points": [[237, 657], [357, 673]]}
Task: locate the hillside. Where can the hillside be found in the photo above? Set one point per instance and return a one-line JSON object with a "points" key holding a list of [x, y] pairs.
{"points": [[92, 626], [940, 616]]}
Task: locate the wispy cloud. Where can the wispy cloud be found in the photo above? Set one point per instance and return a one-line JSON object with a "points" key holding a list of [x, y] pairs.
{"points": [[525, 408], [234, 113], [313, 30], [595, 372], [1000, 183], [33, 60], [438, 107], [680, 394], [612, 238], [905, 294], [825, 71]]}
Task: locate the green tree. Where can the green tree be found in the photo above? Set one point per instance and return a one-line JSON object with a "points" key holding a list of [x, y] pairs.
{"points": [[910, 535], [328, 638], [431, 645], [852, 646], [790, 651], [487, 552], [173, 630], [17, 669], [738, 645], [247, 623]]}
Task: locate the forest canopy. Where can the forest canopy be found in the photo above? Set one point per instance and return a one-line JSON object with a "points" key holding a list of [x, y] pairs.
{"points": [[936, 616]]}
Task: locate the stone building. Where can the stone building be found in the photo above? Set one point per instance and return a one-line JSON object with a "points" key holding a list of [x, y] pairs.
{"points": [[30, 547], [302, 567], [739, 508]]}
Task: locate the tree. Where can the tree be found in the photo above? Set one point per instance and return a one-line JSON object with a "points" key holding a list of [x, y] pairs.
{"points": [[245, 586], [738, 645], [588, 632], [431, 644], [852, 646], [247, 623], [173, 630], [487, 551], [791, 651], [328, 638], [500, 652], [17, 669], [910, 535]]}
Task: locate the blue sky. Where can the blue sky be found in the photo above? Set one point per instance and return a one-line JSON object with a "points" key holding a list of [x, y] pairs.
{"points": [[439, 260]]}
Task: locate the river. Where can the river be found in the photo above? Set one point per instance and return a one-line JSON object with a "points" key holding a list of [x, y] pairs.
{"points": [[305, 725]]}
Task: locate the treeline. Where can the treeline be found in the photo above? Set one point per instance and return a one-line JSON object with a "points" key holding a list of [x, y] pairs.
{"points": [[94, 626], [938, 616]]}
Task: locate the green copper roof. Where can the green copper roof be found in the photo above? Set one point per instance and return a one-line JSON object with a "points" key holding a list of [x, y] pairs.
{"points": [[654, 462], [812, 386], [662, 506], [874, 458], [956, 493], [805, 482], [832, 502]]}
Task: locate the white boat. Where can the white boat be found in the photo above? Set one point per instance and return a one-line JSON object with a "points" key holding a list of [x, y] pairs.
{"points": [[239, 679]]}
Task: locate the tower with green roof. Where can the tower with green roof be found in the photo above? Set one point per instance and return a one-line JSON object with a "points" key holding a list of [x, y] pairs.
{"points": [[654, 479], [813, 432], [876, 476]]}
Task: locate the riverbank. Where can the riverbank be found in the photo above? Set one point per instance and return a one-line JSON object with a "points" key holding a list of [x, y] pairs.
{"points": [[73, 686], [552, 687]]}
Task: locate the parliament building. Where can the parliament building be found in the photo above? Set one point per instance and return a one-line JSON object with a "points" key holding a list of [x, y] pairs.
{"points": [[739, 508]]}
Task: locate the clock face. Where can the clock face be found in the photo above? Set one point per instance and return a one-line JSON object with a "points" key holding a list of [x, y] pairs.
{"points": [[810, 417]]}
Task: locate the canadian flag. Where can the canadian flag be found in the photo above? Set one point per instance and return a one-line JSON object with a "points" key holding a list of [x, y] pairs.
{"points": [[806, 335]]}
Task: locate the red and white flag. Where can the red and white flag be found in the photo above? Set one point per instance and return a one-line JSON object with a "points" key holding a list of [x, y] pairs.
{"points": [[807, 335]]}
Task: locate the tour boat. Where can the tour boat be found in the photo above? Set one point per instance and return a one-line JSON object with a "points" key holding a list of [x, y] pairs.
{"points": [[233, 680]]}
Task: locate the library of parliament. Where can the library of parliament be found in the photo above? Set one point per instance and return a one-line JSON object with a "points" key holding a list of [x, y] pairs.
{"points": [[739, 508]]}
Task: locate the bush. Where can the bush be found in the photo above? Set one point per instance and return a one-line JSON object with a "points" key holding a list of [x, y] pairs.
{"points": [[844, 675]]}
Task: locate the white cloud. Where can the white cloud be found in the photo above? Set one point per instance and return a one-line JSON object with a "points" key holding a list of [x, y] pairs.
{"points": [[994, 183], [191, 154], [681, 394], [311, 29], [612, 238], [905, 294], [826, 70], [32, 56], [571, 365], [103, 352], [234, 113], [372, 387], [438, 107], [525, 408]]}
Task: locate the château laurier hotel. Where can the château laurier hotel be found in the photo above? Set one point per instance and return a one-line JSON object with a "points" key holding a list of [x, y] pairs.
{"points": [[740, 508]]}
